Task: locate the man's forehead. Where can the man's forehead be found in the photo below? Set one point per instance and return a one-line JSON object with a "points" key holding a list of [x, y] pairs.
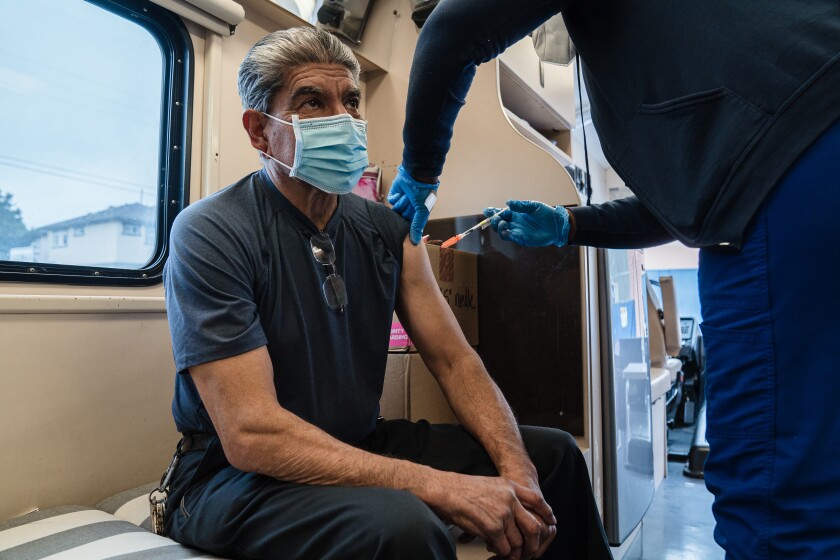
{"points": [[318, 77]]}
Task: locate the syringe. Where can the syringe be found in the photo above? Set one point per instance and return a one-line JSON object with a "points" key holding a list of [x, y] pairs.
{"points": [[480, 225]]}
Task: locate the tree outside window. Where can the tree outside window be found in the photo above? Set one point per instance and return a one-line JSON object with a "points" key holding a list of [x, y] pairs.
{"points": [[13, 232]]}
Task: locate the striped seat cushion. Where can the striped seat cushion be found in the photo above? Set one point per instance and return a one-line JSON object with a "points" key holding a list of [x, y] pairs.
{"points": [[131, 505], [82, 533], [119, 529]]}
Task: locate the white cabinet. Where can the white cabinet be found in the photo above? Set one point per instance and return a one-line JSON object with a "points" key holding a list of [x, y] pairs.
{"points": [[374, 50], [542, 95]]}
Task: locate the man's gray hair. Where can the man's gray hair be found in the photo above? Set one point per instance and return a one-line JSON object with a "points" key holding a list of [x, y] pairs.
{"points": [[263, 72]]}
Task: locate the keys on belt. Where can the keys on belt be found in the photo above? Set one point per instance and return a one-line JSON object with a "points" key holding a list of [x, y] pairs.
{"points": [[157, 497]]}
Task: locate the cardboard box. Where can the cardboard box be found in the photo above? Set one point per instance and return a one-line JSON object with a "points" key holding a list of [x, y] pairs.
{"points": [[394, 401], [456, 273], [425, 397], [411, 391]]}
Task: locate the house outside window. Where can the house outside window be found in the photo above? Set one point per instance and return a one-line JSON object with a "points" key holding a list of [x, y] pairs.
{"points": [[60, 238], [113, 175]]}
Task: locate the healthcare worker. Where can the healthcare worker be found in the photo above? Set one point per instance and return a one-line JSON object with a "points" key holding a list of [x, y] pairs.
{"points": [[722, 117]]}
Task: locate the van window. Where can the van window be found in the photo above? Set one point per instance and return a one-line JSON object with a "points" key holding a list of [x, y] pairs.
{"points": [[93, 104]]}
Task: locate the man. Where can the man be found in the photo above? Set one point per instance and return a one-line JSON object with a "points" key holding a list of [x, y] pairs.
{"points": [[280, 291]]}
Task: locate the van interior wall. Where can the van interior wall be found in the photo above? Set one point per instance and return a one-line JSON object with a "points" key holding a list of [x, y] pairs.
{"points": [[84, 410]]}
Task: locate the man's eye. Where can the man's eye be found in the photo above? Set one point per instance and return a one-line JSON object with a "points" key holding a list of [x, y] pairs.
{"points": [[314, 103], [353, 103]]}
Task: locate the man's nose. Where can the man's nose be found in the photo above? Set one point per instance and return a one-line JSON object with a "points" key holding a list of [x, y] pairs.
{"points": [[337, 108]]}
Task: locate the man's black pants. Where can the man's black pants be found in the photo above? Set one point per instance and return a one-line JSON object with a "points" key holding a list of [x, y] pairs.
{"points": [[227, 512]]}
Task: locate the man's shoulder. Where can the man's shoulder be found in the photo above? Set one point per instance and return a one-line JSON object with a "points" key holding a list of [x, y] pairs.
{"points": [[375, 221], [229, 205], [364, 212], [228, 220]]}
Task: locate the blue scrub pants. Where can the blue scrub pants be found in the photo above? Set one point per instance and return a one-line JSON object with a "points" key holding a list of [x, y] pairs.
{"points": [[771, 326]]}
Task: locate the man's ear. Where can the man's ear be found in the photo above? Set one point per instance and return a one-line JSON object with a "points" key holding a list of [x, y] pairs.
{"points": [[254, 124]]}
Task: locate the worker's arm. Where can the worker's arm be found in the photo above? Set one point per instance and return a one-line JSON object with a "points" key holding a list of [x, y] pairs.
{"points": [[459, 35], [474, 397], [619, 224]]}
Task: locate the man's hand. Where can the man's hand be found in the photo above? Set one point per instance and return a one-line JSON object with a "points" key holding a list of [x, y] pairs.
{"points": [[530, 496], [411, 199], [531, 223], [492, 509]]}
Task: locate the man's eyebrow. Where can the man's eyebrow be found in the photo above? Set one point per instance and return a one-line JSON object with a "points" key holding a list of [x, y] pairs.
{"points": [[355, 92], [307, 90]]}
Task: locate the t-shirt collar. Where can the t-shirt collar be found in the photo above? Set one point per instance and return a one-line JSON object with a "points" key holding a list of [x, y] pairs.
{"points": [[286, 207]]}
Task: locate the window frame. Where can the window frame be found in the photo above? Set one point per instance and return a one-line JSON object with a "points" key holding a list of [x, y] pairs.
{"points": [[174, 154]]}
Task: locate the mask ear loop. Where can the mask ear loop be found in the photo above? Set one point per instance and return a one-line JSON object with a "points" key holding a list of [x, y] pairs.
{"points": [[296, 127], [275, 159], [298, 141]]}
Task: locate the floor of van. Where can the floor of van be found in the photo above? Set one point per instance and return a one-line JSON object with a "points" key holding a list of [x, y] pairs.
{"points": [[679, 523], [679, 442]]}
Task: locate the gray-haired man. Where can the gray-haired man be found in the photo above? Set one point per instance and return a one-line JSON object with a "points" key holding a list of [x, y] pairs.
{"points": [[280, 291]]}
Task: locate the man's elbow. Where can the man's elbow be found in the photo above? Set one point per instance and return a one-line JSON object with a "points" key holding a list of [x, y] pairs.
{"points": [[241, 447], [456, 363]]}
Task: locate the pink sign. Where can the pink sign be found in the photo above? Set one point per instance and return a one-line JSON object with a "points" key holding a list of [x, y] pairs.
{"points": [[399, 338]]}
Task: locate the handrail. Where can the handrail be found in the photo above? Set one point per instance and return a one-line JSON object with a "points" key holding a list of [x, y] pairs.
{"points": [[42, 304]]}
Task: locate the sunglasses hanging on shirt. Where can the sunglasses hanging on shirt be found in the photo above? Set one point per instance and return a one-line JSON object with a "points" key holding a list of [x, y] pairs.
{"points": [[335, 292]]}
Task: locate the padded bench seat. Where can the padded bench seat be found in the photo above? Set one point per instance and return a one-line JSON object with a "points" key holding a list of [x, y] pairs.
{"points": [[83, 533], [119, 528]]}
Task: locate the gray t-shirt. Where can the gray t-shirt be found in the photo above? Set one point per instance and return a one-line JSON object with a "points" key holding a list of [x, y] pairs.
{"points": [[241, 275]]}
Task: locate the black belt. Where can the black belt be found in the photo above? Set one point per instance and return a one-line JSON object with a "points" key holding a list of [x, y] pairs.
{"points": [[195, 442]]}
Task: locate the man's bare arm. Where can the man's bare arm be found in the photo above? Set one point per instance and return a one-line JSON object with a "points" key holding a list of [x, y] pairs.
{"points": [[474, 397]]}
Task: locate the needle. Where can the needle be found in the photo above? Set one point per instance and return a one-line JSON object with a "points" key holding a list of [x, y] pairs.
{"points": [[480, 225]]}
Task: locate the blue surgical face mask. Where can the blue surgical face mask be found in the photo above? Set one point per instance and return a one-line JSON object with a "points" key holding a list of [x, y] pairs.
{"points": [[330, 152]]}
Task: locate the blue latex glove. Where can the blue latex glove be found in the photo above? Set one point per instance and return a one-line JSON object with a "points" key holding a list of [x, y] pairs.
{"points": [[531, 223], [408, 198]]}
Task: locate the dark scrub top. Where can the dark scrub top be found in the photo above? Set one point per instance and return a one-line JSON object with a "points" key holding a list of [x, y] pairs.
{"points": [[701, 107]]}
